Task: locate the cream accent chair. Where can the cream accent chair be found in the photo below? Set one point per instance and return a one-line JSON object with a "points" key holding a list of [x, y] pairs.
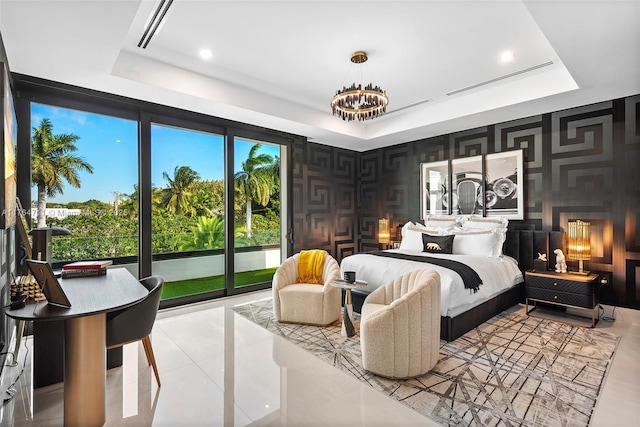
{"points": [[400, 326], [313, 304]]}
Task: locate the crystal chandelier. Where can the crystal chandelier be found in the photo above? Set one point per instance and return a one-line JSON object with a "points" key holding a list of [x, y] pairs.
{"points": [[358, 103]]}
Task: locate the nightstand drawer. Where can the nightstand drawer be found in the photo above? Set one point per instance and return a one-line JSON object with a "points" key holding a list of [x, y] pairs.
{"points": [[558, 297], [560, 285]]}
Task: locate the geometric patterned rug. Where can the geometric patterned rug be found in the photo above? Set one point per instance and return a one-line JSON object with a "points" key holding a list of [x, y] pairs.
{"points": [[513, 370]]}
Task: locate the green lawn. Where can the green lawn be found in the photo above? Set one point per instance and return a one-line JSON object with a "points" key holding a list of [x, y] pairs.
{"points": [[204, 284]]}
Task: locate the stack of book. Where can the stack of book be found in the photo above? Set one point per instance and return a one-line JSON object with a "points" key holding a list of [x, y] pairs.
{"points": [[85, 269]]}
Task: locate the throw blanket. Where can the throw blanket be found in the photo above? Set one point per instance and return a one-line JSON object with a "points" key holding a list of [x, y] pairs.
{"points": [[310, 265], [470, 278]]}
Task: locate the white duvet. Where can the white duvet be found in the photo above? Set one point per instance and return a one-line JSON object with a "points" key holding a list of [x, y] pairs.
{"points": [[497, 274]]}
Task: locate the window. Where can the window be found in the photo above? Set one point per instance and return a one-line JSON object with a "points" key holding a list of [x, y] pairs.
{"points": [[84, 170]]}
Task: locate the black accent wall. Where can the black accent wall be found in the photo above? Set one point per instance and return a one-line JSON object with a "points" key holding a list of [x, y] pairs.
{"points": [[582, 163], [325, 199]]}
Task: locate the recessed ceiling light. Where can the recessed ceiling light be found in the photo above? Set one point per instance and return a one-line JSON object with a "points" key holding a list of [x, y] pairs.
{"points": [[507, 56], [206, 54]]}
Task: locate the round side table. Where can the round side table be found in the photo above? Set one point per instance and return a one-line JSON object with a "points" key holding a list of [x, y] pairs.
{"points": [[348, 329]]}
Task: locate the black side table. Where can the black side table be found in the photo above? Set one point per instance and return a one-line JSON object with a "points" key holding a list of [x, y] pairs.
{"points": [[563, 289]]}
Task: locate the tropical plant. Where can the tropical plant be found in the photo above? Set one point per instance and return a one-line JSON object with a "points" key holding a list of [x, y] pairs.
{"points": [[258, 180], [90, 207], [207, 234], [177, 193], [129, 203], [208, 197], [52, 163], [95, 236]]}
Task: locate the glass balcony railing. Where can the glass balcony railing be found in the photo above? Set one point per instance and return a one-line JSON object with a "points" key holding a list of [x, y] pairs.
{"points": [[71, 248]]}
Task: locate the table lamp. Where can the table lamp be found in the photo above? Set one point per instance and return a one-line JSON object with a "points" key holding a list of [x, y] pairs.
{"points": [[579, 248], [383, 231]]}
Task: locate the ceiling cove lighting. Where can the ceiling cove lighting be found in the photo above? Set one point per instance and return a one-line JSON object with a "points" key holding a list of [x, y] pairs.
{"points": [[358, 103]]}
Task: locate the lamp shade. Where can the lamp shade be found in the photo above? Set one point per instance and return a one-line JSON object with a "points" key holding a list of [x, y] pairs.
{"points": [[383, 231], [579, 248]]}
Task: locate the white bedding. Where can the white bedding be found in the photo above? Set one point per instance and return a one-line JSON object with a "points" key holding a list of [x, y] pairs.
{"points": [[497, 274]]}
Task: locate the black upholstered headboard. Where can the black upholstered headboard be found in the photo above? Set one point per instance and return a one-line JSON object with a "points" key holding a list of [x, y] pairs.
{"points": [[525, 245]]}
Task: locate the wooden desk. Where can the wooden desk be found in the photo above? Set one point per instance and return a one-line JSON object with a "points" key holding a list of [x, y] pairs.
{"points": [[85, 338]]}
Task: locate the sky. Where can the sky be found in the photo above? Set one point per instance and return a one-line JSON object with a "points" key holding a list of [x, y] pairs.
{"points": [[110, 146]]}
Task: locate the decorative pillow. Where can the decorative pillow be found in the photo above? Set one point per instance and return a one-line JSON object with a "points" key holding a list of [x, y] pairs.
{"points": [[437, 244], [478, 243]]}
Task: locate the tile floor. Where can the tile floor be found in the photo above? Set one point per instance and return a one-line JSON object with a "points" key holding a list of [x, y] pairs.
{"points": [[219, 369]]}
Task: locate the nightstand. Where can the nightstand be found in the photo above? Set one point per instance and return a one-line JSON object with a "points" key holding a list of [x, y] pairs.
{"points": [[563, 289]]}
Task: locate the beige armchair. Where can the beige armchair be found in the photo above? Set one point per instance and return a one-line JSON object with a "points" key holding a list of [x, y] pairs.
{"points": [[313, 304], [400, 326]]}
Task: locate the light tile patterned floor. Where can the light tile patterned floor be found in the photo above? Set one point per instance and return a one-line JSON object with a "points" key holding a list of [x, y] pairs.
{"points": [[513, 369], [218, 368]]}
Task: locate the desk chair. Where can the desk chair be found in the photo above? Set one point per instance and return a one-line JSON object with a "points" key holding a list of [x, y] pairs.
{"points": [[135, 323]]}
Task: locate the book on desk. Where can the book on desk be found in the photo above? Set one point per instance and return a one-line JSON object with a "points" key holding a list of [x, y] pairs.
{"points": [[85, 269]]}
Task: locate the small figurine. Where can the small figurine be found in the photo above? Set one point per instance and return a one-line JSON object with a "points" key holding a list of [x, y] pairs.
{"points": [[542, 257], [561, 265]]}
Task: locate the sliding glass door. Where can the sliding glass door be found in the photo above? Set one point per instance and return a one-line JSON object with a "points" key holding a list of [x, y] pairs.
{"points": [[197, 203], [257, 211], [188, 215]]}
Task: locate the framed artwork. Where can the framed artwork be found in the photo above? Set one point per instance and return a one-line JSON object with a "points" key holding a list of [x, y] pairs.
{"points": [[504, 184], [434, 178], [10, 138], [467, 186]]}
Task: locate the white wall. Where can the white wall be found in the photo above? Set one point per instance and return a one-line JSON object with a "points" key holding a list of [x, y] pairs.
{"points": [[196, 267]]}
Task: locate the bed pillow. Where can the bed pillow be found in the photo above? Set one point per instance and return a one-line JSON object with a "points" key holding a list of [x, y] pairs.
{"points": [[444, 221], [496, 224], [477, 243], [412, 235], [475, 222], [437, 244], [411, 239]]}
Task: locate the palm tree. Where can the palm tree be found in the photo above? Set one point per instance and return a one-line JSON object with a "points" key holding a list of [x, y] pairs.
{"points": [[129, 203], [52, 163], [257, 181], [178, 191], [207, 234]]}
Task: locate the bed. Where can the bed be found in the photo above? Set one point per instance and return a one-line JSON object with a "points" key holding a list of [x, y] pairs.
{"points": [[462, 308]]}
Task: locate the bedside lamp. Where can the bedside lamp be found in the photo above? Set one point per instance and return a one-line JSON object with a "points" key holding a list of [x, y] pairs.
{"points": [[383, 231], [579, 248]]}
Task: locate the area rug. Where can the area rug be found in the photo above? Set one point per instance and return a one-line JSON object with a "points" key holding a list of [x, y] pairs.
{"points": [[513, 370]]}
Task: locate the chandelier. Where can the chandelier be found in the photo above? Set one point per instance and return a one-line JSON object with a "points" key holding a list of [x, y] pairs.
{"points": [[358, 103]]}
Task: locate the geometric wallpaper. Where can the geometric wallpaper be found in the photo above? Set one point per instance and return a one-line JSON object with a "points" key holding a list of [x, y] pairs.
{"points": [[324, 199], [582, 163]]}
